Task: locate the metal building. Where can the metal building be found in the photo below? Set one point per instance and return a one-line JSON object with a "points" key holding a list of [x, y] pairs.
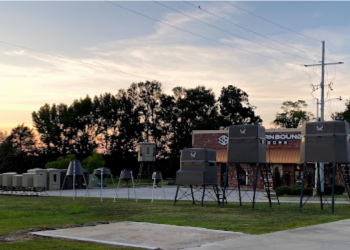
{"points": [[326, 142], [197, 168]]}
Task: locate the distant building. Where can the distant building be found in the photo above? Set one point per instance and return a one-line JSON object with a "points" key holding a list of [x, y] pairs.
{"points": [[282, 151]]}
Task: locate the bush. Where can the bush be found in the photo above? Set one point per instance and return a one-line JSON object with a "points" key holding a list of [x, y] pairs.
{"points": [[296, 190], [283, 190], [61, 162], [93, 162], [308, 191], [339, 189], [327, 190]]}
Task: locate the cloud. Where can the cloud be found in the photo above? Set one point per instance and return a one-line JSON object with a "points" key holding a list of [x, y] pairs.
{"points": [[176, 59]]}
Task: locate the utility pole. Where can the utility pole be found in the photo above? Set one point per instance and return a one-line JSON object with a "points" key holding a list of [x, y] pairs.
{"points": [[322, 103]]}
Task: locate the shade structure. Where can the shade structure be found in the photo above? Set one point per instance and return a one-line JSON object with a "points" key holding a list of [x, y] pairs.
{"points": [[75, 168], [157, 176], [126, 174], [104, 171]]}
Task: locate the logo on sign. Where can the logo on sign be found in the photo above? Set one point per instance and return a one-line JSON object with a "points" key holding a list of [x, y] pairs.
{"points": [[243, 131], [319, 128], [193, 153]]}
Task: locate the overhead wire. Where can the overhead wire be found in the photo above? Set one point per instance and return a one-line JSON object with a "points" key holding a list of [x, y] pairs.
{"points": [[229, 32], [252, 31], [199, 35], [76, 60], [277, 24]]}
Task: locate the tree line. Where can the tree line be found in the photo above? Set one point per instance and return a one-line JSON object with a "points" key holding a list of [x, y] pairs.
{"points": [[114, 124]]}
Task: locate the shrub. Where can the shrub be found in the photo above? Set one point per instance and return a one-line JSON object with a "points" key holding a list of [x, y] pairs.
{"points": [[93, 162], [308, 191], [283, 190], [61, 162], [339, 189], [296, 190], [327, 191]]}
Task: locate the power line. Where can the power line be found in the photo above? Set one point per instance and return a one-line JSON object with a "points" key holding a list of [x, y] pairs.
{"points": [[198, 35], [229, 32], [252, 31], [267, 20], [76, 60]]}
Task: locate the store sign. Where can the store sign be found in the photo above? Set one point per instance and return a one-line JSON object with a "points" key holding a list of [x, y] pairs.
{"points": [[282, 138], [271, 139]]}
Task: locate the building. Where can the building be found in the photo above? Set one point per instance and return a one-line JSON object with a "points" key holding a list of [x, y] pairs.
{"points": [[282, 151]]}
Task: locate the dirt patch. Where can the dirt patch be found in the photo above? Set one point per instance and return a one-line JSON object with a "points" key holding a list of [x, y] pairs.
{"points": [[25, 235]]}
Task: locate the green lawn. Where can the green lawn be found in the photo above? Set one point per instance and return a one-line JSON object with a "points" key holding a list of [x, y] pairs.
{"points": [[17, 213]]}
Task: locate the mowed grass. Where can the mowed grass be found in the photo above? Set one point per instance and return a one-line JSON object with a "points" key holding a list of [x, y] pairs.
{"points": [[21, 212]]}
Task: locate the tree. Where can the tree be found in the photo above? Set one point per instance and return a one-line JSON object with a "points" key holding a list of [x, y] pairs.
{"points": [[94, 161], [180, 114], [235, 107], [343, 116], [3, 136], [293, 114], [22, 139], [61, 162]]}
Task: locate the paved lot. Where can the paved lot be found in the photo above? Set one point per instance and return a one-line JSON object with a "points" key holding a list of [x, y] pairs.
{"points": [[145, 235], [330, 236], [146, 193]]}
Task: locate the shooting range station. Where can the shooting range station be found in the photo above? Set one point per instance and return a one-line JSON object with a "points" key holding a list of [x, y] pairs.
{"points": [[146, 156], [198, 173], [326, 142], [126, 175], [99, 177], [74, 171], [247, 145]]}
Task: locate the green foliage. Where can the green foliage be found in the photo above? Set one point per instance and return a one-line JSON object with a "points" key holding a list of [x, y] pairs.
{"points": [[61, 162], [93, 162], [293, 114], [308, 191], [343, 116], [282, 190], [235, 107], [339, 189], [296, 190]]}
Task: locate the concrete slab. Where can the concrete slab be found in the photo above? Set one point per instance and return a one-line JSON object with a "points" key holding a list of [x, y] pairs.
{"points": [[143, 235], [329, 236]]}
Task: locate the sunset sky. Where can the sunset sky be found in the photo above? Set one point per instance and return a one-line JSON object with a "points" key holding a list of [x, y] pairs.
{"points": [[103, 40]]}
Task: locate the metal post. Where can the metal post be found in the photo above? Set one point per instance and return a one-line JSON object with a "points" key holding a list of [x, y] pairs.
{"points": [[154, 183], [74, 180], [193, 201], [133, 185], [255, 183], [239, 184], [225, 185], [116, 192], [302, 188], [202, 203], [319, 185], [177, 191], [333, 187], [101, 185]]}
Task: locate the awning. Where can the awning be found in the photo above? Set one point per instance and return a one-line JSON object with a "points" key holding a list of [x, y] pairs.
{"points": [[274, 155]]}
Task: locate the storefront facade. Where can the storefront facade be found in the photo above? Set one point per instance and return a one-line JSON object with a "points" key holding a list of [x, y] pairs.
{"points": [[282, 152]]}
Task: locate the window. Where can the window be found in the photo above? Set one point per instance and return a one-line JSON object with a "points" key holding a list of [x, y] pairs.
{"points": [[147, 150]]}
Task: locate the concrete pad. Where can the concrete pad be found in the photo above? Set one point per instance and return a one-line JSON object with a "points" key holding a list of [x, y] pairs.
{"points": [[329, 236], [143, 235]]}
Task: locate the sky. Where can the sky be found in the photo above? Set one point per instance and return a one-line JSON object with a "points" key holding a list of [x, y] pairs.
{"points": [[97, 46]]}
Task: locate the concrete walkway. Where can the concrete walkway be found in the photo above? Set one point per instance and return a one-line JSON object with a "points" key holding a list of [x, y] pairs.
{"points": [[330, 236], [143, 235]]}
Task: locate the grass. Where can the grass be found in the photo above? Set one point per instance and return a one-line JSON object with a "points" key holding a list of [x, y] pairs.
{"points": [[17, 213]]}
